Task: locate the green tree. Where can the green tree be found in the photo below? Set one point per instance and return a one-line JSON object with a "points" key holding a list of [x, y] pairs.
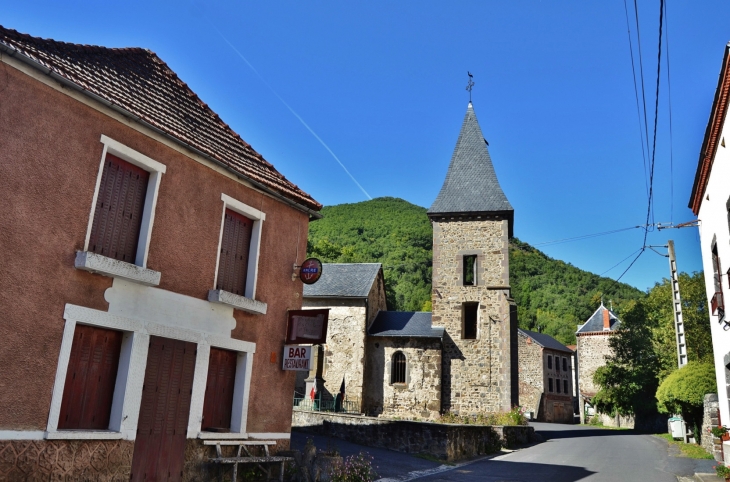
{"points": [[629, 379], [684, 392]]}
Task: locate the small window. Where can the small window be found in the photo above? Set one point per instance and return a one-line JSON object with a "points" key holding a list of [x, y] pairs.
{"points": [[470, 311], [557, 385], [550, 385], [218, 403], [234, 255], [398, 368], [119, 208], [565, 364], [565, 386], [557, 364], [90, 379], [470, 269], [550, 363]]}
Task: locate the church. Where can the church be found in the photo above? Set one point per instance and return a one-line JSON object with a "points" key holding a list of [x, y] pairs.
{"points": [[462, 356]]}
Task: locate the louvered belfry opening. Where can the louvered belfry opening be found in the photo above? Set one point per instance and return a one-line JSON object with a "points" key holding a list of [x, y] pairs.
{"points": [[118, 212], [398, 371], [235, 246], [218, 403], [90, 379]]}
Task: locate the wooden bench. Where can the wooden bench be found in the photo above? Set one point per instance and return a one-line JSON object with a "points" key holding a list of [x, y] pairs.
{"points": [[248, 459]]}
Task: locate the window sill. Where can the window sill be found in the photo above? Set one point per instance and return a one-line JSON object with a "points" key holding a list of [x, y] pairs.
{"points": [[96, 263], [237, 301], [84, 435], [222, 435]]}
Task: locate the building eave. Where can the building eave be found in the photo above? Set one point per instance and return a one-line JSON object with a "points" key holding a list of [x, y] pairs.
{"points": [[712, 135]]}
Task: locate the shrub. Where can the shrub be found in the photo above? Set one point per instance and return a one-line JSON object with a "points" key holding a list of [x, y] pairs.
{"points": [[356, 468], [516, 416], [683, 391]]}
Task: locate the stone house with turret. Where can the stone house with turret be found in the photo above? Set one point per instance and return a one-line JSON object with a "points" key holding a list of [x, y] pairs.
{"points": [[592, 340], [462, 356]]}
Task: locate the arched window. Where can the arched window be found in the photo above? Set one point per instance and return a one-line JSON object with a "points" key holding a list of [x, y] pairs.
{"points": [[398, 368]]}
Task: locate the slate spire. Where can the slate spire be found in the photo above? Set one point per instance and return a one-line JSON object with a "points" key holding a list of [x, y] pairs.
{"points": [[471, 186]]}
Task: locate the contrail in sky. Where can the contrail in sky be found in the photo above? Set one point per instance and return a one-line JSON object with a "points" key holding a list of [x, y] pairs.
{"points": [[290, 109]]}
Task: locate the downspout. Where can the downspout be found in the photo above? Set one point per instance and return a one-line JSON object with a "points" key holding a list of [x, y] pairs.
{"points": [[64, 81]]}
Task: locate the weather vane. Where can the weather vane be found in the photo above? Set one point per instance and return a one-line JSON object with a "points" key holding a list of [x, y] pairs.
{"points": [[470, 84]]}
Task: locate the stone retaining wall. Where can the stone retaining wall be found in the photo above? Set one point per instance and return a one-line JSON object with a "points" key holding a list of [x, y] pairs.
{"points": [[711, 419], [445, 441]]}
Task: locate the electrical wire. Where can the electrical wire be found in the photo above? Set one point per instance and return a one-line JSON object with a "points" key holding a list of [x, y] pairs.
{"points": [[627, 257], [671, 140], [636, 95], [641, 70], [632, 263], [585, 236]]}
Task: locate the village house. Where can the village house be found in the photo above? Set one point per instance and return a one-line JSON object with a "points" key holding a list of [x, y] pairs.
{"points": [[710, 202], [462, 356], [592, 339], [545, 374], [146, 255]]}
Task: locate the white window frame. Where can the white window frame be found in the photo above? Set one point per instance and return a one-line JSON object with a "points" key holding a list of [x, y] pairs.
{"points": [[127, 396], [247, 302], [156, 170]]}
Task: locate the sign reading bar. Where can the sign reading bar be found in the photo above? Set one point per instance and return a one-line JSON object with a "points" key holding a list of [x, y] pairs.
{"points": [[297, 357], [307, 327]]}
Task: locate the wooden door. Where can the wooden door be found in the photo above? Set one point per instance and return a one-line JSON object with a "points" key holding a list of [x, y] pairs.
{"points": [[159, 449]]}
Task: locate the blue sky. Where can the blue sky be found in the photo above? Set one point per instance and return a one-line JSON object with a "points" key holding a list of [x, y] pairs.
{"points": [[383, 86]]}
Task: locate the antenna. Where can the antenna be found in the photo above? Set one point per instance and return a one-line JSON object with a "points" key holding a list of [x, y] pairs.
{"points": [[469, 84]]}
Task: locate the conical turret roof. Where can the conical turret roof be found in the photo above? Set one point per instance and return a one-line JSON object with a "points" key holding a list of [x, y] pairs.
{"points": [[471, 186]]}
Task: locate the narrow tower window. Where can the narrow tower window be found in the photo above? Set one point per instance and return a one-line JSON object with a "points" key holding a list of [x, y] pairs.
{"points": [[469, 313], [398, 369], [470, 268]]}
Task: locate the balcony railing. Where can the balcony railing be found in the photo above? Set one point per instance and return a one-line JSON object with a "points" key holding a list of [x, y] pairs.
{"points": [[325, 404]]}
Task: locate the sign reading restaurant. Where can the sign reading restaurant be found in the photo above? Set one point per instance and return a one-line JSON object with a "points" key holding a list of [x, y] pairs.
{"points": [[297, 357]]}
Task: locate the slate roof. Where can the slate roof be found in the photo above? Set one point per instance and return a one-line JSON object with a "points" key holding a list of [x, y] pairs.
{"points": [[414, 324], [545, 341], [471, 185], [137, 81], [344, 280], [595, 322]]}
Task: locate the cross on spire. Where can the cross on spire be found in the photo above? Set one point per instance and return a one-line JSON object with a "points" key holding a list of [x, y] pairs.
{"points": [[470, 84]]}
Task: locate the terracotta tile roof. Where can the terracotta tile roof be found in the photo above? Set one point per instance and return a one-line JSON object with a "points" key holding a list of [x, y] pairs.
{"points": [[139, 82]]}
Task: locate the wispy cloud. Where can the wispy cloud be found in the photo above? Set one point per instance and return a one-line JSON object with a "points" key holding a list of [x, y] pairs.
{"points": [[290, 109]]}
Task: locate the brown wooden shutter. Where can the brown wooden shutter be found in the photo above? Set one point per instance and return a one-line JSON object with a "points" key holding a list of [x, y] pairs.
{"points": [[218, 403], [235, 245], [90, 379], [118, 212], [159, 448]]}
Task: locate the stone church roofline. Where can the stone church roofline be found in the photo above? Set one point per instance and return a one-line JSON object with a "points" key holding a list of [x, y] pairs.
{"points": [[411, 324], [471, 186], [344, 280]]}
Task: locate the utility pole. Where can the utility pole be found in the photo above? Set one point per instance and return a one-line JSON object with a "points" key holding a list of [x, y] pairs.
{"points": [[677, 306]]}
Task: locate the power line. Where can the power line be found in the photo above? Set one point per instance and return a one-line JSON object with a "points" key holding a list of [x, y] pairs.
{"points": [[671, 141], [641, 70], [584, 236], [636, 95], [627, 257], [632, 263]]}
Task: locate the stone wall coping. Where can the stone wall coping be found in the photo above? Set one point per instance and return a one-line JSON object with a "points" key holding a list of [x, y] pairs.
{"points": [[594, 333]]}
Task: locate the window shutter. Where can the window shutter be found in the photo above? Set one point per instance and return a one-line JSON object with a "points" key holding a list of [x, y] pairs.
{"points": [[218, 403], [90, 379], [118, 212], [235, 245]]}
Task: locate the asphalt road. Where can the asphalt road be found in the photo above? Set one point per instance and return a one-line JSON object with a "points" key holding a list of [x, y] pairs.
{"points": [[569, 453], [574, 453]]}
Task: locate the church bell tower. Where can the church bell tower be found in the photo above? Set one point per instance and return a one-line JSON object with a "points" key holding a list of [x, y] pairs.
{"points": [[472, 224]]}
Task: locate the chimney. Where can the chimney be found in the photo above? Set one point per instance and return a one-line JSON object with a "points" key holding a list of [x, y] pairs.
{"points": [[606, 320]]}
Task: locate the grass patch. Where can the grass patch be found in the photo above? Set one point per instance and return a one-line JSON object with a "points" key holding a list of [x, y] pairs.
{"points": [[688, 450], [433, 458], [601, 426]]}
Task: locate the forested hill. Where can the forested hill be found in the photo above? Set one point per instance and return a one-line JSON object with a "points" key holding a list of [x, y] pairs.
{"points": [[550, 294]]}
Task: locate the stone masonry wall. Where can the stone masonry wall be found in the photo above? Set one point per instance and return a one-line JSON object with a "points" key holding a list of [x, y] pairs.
{"points": [[592, 353], [420, 396], [87, 460], [446, 441], [711, 418], [344, 352], [476, 373], [530, 374]]}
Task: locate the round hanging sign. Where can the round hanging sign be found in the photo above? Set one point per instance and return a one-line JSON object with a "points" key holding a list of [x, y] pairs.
{"points": [[310, 271]]}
